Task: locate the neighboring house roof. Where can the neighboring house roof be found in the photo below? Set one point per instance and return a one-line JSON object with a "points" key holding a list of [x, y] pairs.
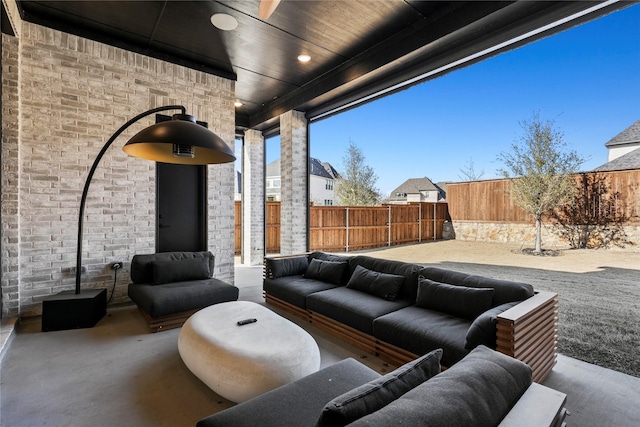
{"points": [[316, 167], [273, 168], [631, 160], [413, 186], [630, 135]]}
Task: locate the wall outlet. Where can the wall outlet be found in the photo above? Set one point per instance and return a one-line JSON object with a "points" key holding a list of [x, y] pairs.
{"points": [[116, 265]]}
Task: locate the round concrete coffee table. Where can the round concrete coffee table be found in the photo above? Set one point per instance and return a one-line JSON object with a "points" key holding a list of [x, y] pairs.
{"points": [[241, 362]]}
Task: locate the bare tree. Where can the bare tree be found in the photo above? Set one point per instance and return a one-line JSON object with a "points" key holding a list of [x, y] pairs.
{"points": [[469, 173], [356, 185], [540, 169]]}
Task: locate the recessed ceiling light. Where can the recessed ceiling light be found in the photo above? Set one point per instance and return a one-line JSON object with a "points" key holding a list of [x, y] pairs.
{"points": [[238, 104], [304, 58], [224, 21]]}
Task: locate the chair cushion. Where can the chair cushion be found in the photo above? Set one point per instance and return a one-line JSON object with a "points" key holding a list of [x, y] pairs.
{"points": [[142, 265], [326, 271], [382, 285], [177, 297], [460, 301], [409, 271], [180, 270], [378, 393]]}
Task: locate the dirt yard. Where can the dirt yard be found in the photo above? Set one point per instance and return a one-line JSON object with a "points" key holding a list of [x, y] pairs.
{"points": [[599, 291]]}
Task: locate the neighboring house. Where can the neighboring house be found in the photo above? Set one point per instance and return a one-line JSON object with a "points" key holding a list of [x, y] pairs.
{"points": [[237, 187], [416, 190], [322, 178], [625, 142]]}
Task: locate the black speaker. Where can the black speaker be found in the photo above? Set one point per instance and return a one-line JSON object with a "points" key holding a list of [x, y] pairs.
{"points": [[68, 310]]}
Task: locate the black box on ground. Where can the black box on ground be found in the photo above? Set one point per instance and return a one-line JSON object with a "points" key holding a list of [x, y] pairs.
{"points": [[68, 310]]}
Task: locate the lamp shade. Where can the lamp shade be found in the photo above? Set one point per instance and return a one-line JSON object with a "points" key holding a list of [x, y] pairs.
{"points": [[179, 141]]}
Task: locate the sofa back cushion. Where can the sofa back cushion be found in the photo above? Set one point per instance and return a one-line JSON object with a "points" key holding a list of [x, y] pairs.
{"points": [[410, 272], [378, 393], [288, 266], [327, 271], [180, 270], [142, 266], [478, 391], [504, 290], [323, 256], [459, 301], [382, 285]]}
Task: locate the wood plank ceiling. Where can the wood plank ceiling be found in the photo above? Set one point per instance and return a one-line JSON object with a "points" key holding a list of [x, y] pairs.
{"points": [[357, 48]]}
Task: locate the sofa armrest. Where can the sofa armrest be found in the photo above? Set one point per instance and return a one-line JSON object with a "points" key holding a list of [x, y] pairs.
{"points": [[282, 265], [529, 332], [539, 406]]}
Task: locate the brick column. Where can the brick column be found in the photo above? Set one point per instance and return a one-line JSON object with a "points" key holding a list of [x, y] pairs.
{"points": [[294, 172], [253, 198]]}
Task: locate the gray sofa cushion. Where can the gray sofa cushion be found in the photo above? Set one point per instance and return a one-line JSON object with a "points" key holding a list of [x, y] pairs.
{"points": [[505, 290], [461, 301], [180, 270], [142, 265], [377, 393], [420, 331], [175, 297], [477, 392], [353, 308], [292, 266], [410, 271], [326, 271], [382, 285], [323, 256], [297, 404], [483, 329], [294, 289]]}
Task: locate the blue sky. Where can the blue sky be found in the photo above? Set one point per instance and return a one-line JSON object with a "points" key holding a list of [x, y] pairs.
{"points": [[586, 79]]}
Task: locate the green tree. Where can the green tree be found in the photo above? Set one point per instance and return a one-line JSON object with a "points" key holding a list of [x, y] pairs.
{"points": [[356, 185], [540, 167]]}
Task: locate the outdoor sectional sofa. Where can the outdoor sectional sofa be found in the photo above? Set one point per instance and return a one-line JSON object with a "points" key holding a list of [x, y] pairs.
{"points": [[484, 389], [399, 311]]}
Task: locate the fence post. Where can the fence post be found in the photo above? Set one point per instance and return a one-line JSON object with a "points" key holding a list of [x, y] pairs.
{"points": [[420, 222], [347, 228], [434, 221], [389, 225]]}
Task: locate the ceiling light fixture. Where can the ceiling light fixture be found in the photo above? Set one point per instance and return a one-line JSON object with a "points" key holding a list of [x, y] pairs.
{"points": [[238, 104], [304, 58], [224, 21]]}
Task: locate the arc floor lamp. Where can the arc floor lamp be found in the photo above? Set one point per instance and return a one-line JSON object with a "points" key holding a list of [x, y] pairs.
{"points": [[179, 141]]}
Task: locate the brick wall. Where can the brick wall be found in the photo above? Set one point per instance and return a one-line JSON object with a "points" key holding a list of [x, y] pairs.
{"points": [[73, 94]]}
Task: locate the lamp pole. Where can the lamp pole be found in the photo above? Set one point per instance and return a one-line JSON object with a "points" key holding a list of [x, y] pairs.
{"points": [[83, 200]]}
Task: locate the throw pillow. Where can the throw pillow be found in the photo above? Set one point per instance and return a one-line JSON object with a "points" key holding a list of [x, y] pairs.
{"points": [[180, 270], [292, 266], [460, 301], [326, 271], [378, 393], [483, 329], [382, 285]]}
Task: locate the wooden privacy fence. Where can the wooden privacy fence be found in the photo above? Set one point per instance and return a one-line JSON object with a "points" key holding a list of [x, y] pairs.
{"points": [[348, 228], [618, 192]]}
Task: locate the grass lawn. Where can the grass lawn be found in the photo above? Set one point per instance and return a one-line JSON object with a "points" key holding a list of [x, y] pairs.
{"points": [[598, 292]]}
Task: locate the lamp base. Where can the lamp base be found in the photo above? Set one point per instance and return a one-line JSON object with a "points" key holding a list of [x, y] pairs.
{"points": [[68, 310]]}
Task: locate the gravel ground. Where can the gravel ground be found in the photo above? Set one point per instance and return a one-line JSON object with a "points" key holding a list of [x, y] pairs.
{"points": [[598, 290]]}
